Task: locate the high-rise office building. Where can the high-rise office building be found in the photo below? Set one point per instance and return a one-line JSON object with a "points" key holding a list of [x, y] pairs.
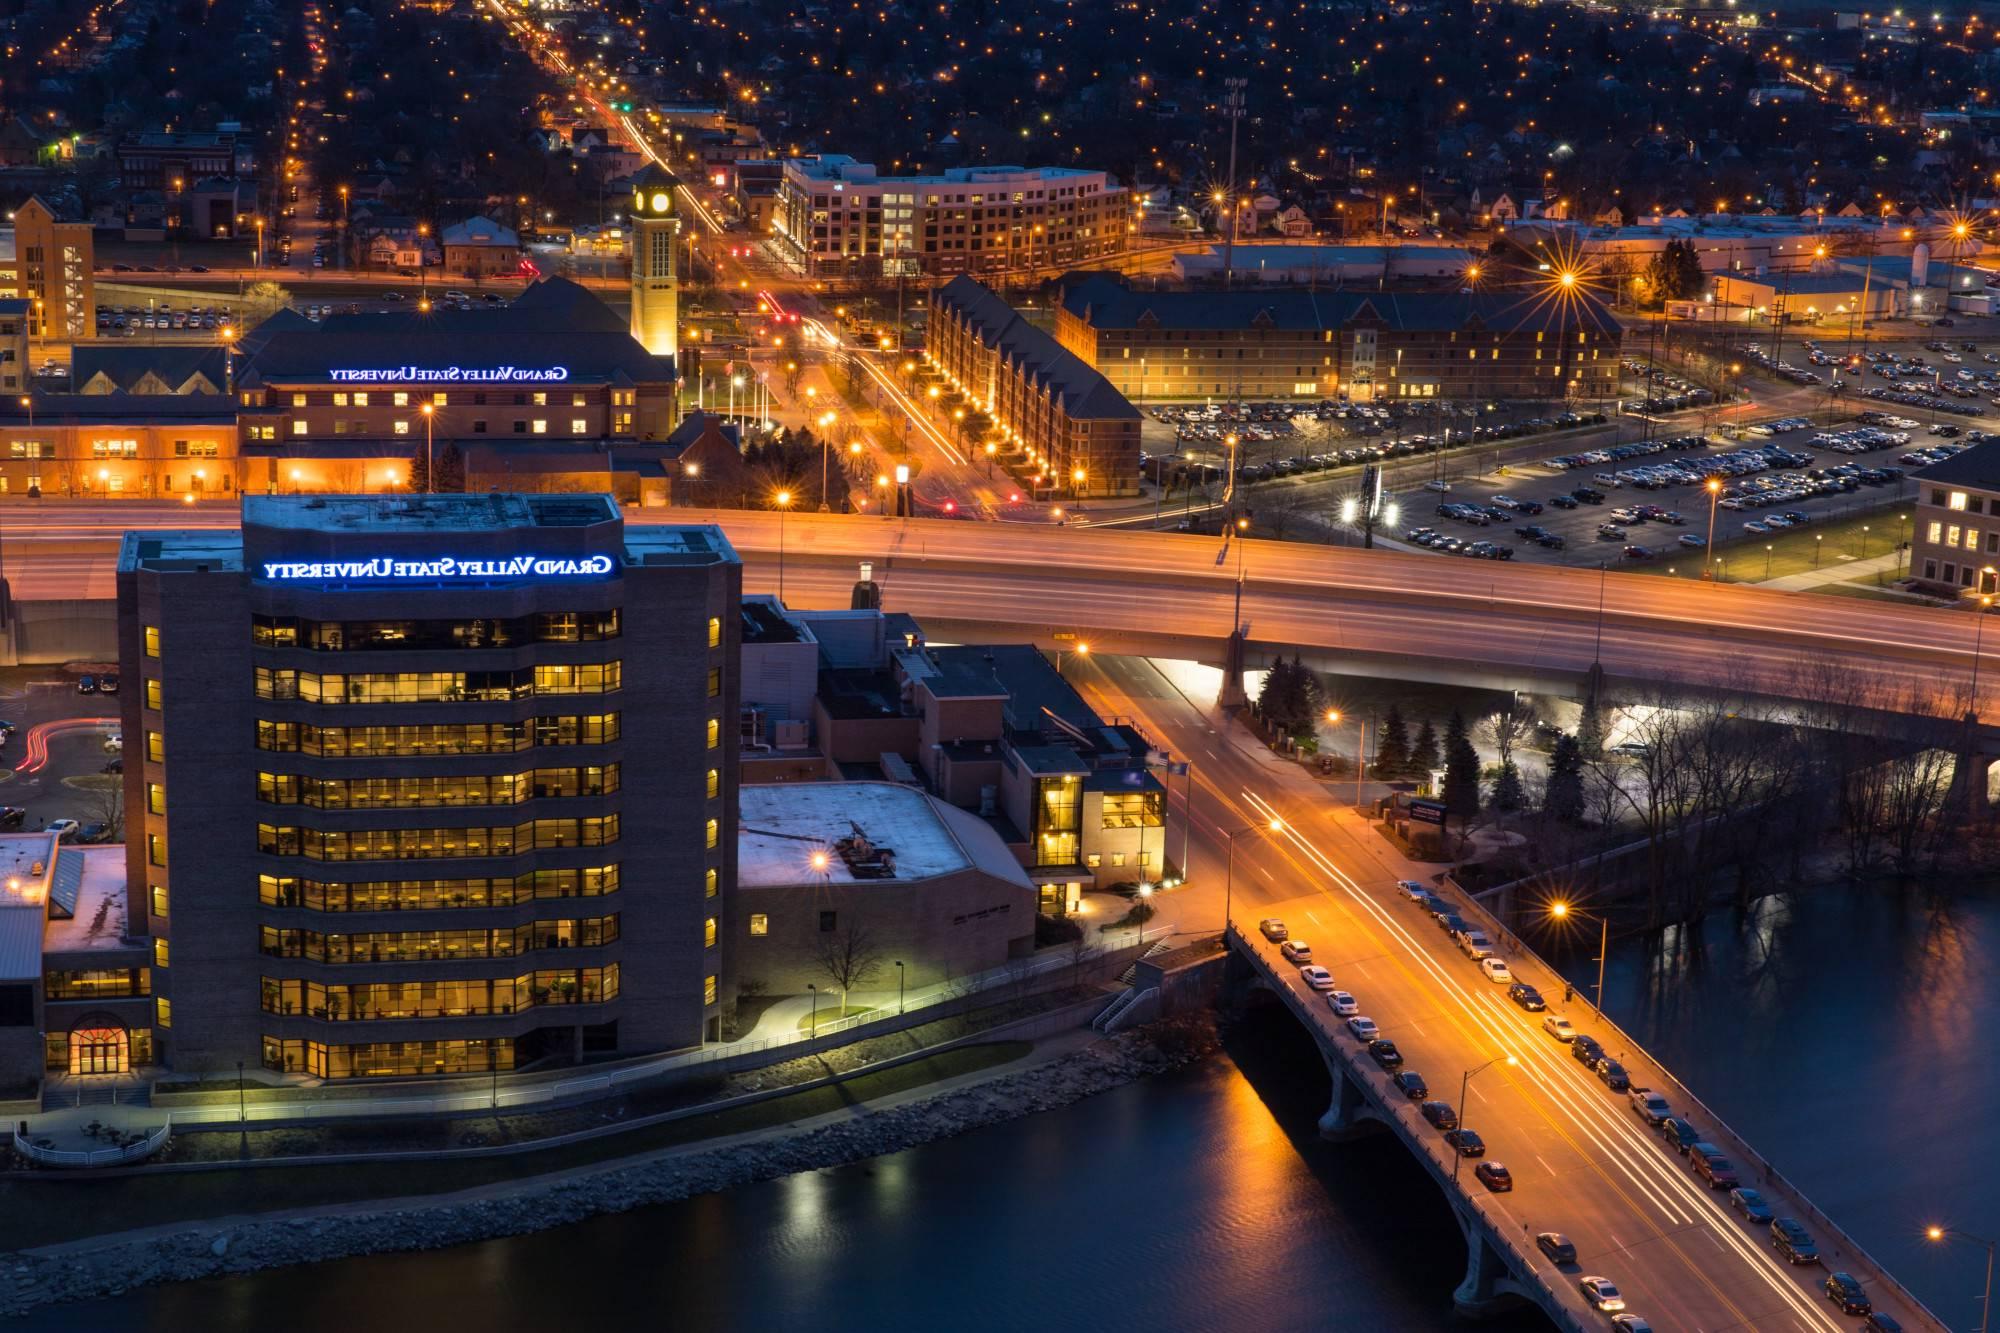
{"points": [[429, 785]]}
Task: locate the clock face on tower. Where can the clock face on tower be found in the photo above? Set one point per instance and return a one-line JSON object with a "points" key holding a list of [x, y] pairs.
{"points": [[660, 202]]}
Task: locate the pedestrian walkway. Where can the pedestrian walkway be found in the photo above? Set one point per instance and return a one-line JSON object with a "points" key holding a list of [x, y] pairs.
{"points": [[1842, 572]]}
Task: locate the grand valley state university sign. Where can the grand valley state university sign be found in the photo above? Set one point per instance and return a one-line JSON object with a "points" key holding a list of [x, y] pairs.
{"points": [[450, 375], [385, 569]]}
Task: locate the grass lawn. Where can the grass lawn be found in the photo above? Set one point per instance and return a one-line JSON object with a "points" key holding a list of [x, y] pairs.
{"points": [[829, 1013], [1826, 543], [95, 782], [43, 1210]]}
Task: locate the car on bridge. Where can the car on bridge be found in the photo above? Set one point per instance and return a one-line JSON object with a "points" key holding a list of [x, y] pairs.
{"points": [[1316, 976], [1751, 1204], [1274, 930], [1650, 1106], [1411, 1084], [1343, 1004], [1845, 1290], [1474, 944], [1680, 1134], [1362, 1027], [1558, 1027], [1602, 1293], [1557, 1246], [1450, 922], [1440, 1115], [1467, 1142], [1707, 1161], [1527, 997], [1794, 1241], [1495, 969], [1613, 1074], [1296, 951], [1416, 891], [1630, 1323], [1384, 1053], [1877, 1322], [1494, 1176], [1586, 1050]]}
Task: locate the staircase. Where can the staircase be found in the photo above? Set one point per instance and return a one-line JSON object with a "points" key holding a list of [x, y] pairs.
{"points": [[64, 1093], [1129, 974]]}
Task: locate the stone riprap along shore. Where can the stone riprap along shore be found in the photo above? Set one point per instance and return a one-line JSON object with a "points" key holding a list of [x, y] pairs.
{"points": [[108, 1265]]}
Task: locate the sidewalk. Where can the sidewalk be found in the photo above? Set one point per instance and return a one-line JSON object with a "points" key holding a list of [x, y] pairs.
{"points": [[1841, 572]]}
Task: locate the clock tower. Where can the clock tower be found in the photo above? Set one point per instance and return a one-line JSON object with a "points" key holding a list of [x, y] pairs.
{"points": [[655, 287]]}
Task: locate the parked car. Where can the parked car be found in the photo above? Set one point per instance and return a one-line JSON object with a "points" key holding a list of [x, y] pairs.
{"points": [[1557, 1246], [1411, 1084], [1630, 1323], [1527, 997], [1342, 1004], [11, 816], [1440, 1115], [64, 829], [86, 684], [1414, 890], [1794, 1241], [1877, 1322], [1274, 929], [107, 684], [1845, 1290], [1558, 1027], [1602, 1293], [1467, 1142], [1363, 1028], [1586, 1050], [1613, 1075], [1709, 1162], [1496, 970], [1316, 977], [1296, 951], [1474, 944], [94, 833], [1384, 1053], [1751, 1205], [1650, 1106], [1494, 1176], [1680, 1134]]}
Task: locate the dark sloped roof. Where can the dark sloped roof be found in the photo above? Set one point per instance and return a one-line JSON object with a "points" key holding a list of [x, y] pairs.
{"points": [[1978, 467], [1104, 302], [554, 322], [174, 364], [1033, 353]]}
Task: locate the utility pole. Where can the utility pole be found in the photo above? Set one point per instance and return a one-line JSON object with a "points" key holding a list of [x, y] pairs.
{"points": [[1233, 108]]}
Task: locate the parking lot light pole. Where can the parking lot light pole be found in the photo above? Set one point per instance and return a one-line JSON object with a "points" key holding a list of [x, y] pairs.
{"points": [[1562, 911], [1714, 488]]}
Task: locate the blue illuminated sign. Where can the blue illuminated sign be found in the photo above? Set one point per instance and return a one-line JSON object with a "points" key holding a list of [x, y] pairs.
{"points": [[383, 569], [451, 375]]}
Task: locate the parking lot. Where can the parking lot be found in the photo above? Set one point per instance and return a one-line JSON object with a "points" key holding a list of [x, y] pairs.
{"points": [[1646, 501], [57, 748]]}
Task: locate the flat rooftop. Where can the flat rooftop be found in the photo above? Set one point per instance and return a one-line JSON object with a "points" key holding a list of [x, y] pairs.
{"points": [[27, 862], [783, 827], [426, 513]]}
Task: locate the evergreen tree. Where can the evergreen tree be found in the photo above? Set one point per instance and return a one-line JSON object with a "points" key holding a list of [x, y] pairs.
{"points": [[1590, 730], [1424, 757], [1507, 788], [1289, 701], [1564, 798], [1392, 752], [1461, 771], [450, 469]]}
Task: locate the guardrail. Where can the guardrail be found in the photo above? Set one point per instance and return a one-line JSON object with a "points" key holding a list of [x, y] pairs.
{"points": [[1824, 1224], [922, 1006], [131, 1152]]}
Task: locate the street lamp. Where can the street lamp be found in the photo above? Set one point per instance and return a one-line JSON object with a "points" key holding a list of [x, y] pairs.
{"points": [[1937, 1233], [784, 503], [430, 465], [1360, 750], [1229, 863], [1081, 650], [1145, 892], [813, 991], [1465, 1079], [1562, 911], [1978, 634], [899, 985]]}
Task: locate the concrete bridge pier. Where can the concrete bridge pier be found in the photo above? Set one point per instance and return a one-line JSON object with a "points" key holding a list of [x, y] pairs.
{"points": [[1349, 1116], [1489, 1287]]}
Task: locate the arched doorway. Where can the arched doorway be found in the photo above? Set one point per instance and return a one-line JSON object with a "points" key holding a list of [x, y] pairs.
{"points": [[99, 1046]]}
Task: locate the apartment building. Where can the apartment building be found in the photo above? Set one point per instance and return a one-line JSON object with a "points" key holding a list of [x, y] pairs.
{"points": [[1362, 345], [48, 263], [1064, 428], [836, 218], [1955, 540], [432, 785]]}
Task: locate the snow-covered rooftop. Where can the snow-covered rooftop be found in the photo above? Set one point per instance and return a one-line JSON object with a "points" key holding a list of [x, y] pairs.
{"points": [[785, 826]]}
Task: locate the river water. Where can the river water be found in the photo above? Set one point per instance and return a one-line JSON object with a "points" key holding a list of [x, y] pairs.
{"points": [[1844, 1036]]}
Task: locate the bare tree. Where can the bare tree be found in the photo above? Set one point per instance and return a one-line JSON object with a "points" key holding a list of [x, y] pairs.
{"points": [[1082, 951], [849, 958], [1507, 727], [107, 805]]}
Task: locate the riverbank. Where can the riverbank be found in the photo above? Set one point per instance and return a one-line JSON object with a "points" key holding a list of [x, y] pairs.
{"points": [[1057, 1074]]}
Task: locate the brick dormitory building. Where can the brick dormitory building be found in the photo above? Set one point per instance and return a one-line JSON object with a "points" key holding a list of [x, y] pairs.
{"points": [[1057, 419], [1361, 345]]}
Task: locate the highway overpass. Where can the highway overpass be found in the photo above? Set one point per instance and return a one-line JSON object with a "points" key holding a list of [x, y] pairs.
{"points": [[1418, 617]]}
